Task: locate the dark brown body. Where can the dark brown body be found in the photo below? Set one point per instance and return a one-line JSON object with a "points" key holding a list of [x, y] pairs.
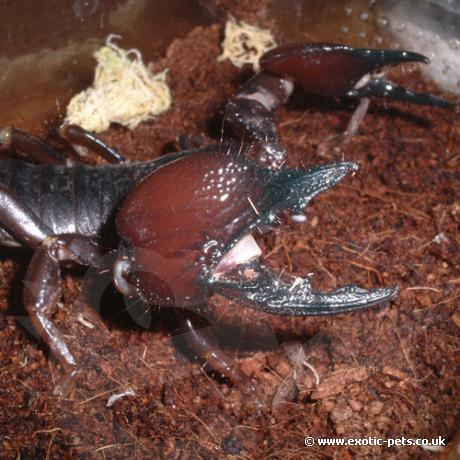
{"points": [[79, 199]]}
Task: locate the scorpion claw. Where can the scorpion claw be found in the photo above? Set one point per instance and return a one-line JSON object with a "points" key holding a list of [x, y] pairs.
{"points": [[240, 277], [324, 70], [263, 290], [331, 70]]}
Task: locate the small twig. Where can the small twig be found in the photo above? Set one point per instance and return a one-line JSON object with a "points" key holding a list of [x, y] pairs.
{"points": [[48, 451], [51, 430], [367, 268], [210, 380], [442, 302], [352, 354], [99, 395], [84, 321], [359, 254], [253, 205], [423, 288], [112, 446], [408, 211], [404, 349], [145, 363]]}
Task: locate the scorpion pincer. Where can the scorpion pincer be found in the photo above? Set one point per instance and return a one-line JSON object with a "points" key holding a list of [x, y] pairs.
{"points": [[183, 223]]}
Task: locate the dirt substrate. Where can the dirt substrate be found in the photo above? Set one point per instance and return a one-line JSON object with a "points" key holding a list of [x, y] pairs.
{"points": [[387, 372]]}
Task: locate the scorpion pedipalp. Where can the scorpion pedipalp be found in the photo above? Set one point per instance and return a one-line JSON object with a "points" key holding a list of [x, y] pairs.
{"points": [[320, 69]]}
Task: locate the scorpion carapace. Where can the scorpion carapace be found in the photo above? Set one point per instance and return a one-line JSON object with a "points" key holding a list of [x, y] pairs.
{"points": [[185, 220]]}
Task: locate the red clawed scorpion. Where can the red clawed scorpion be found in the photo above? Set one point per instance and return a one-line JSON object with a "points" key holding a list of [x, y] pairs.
{"points": [[183, 222]]}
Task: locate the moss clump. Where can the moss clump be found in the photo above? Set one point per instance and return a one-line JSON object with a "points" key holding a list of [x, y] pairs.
{"points": [[124, 91], [245, 44]]}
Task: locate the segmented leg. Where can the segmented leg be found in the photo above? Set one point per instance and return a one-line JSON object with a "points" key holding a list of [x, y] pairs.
{"points": [[42, 287], [20, 221], [29, 145], [42, 281], [202, 341], [41, 152], [79, 137]]}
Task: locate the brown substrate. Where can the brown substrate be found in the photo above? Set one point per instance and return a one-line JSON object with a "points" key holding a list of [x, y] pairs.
{"points": [[386, 372]]}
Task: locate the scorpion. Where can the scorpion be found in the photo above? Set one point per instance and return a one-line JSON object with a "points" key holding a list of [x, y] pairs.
{"points": [[183, 222]]}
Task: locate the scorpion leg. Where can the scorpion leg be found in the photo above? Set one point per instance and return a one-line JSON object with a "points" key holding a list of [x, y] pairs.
{"points": [[337, 141], [34, 148], [42, 281], [42, 291], [80, 137], [202, 342], [20, 221]]}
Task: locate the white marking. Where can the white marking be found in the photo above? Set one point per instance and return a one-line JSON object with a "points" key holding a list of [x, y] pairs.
{"points": [[315, 372], [297, 282], [121, 269], [439, 238], [288, 86], [5, 135], [262, 96]]}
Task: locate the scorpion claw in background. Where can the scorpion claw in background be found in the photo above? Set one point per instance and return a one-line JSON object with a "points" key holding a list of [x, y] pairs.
{"points": [[321, 69], [260, 289], [331, 70]]}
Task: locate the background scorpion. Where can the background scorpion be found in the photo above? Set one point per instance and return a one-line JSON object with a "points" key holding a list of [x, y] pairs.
{"points": [[184, 221]]}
